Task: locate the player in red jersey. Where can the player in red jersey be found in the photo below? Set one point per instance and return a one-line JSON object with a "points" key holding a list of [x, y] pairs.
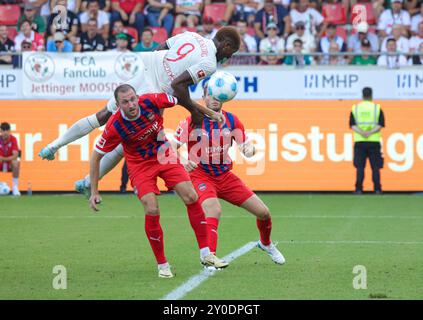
{"points": [[210, 167], [138, 125], [9, 153]]}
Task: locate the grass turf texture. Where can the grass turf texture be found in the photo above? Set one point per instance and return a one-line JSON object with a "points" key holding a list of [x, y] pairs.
{"points": [[107, 255]]}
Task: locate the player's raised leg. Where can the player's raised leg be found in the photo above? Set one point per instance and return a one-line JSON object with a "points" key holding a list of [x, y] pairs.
{"points": [[264, 223], [154, 233], [198, 222], [79, 129], [107, 163]]}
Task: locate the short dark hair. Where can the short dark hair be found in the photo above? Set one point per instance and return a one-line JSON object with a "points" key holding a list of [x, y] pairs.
{"points": [[367, 93], [298, 41], [391, 40], [147, 30], [229, 34], [123, 88], [5, 126]]}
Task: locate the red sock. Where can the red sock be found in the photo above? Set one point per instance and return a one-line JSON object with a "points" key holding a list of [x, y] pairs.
{"points": [[265, 228], [212, 224], [154, 234], [198, 223]]}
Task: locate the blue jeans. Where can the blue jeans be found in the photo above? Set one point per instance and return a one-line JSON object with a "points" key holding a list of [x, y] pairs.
{"points": [[138, 24], [152, 18]]}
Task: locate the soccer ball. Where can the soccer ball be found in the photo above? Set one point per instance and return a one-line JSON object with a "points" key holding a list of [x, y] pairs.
{"points": [[222, 86], [4, 189]]}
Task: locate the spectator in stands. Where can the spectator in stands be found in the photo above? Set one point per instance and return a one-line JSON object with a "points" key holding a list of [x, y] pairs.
{"points": [[6, 45], [330, 37], [118, 27], [315, 4], [332, 58], [313, 20], [413, 6], [415, 42], [122, 41], [402, 42], [417, 60], [9, 155], [30, 14], [415, 20], [188, 12], [249, 40], [37, 40], [71, 28], [91, 40], [272, 43], [146, 42], [298, 60], [59, 43], [390, 58], [72, 5], [272, 58], [227, 17], [94, 12], [159, 14], [105, 5], [129, 12], [394, 16], [308, 42], [208, 30], [243, 60], [364, 58], [26, 46], [355, 40], [272, 13], [244, 10]]}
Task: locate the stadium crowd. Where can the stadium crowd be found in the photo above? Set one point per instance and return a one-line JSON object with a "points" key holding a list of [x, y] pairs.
{"points": [[386, 33]]}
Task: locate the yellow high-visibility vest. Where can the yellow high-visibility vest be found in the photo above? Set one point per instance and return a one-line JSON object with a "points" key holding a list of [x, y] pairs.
{"points": [[366, 115]]}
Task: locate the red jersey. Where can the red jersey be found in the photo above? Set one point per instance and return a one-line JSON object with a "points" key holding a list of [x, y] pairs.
{"points": [[141, 137], [209, 145], [8, 146], [129, 5]]}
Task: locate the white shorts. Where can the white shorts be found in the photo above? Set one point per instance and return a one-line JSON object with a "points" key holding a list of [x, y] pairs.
{"points": [[147, 81]]}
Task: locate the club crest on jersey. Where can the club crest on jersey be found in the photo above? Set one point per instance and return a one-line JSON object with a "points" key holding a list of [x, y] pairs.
{"points": [[201, 74], [150, 116], [202, 186]]}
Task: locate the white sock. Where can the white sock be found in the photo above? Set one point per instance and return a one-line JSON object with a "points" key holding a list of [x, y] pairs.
{"points": [[163, 265], [204, 252], [15, 182], [77, 130], [107, 163]]}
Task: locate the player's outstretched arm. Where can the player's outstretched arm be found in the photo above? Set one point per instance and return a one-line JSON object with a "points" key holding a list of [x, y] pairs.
{"points": [[94, 178], [180, 90]]}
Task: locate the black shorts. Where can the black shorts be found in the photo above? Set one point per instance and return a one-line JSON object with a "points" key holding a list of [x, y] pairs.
{"points": [[371, 150]]}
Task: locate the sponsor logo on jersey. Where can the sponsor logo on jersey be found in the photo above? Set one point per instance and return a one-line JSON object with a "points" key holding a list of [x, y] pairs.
{"points": [[201, 74]]}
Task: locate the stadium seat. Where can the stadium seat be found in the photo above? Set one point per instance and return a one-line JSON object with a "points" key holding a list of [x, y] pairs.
{"points": [[11, 32], [334, 13], [132, 32], [182, 29], [9, 14], [159, 34], [360, 9], [216, 11]]}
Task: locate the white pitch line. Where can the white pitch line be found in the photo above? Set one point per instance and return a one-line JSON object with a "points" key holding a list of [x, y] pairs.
{"points": [[351, 242], [100, 216], [196, 280]]}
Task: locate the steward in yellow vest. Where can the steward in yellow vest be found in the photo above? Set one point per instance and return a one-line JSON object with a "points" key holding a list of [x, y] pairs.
{"points": [[366, 120]]}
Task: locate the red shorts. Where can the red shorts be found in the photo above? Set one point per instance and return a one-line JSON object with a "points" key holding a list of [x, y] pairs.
{"points": [[226, 186], [5, 166], [144, 175]]}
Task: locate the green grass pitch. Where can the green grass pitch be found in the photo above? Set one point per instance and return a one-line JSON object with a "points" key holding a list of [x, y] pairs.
{"points": [[107, 255]]}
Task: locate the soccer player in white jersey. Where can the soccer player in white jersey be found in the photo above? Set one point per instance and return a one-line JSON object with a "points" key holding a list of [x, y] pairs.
{"points": [[181, 61]]}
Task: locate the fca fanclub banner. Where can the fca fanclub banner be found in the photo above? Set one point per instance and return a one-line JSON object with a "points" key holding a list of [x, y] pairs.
{"points": [[95, 75], [77, 76]]}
